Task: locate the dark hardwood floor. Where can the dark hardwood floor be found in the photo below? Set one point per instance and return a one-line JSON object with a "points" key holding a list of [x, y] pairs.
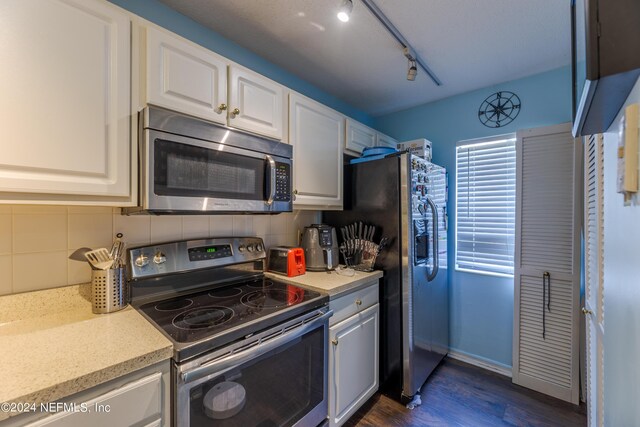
{"points": [[459, 394]]}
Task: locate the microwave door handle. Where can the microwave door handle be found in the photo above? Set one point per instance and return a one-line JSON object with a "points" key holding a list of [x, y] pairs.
{"points": [[434, 213], [271, 171]]}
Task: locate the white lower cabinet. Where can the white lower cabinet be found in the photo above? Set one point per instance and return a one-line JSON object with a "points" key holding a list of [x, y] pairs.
{"points": [[141, 398], [353, 360]]}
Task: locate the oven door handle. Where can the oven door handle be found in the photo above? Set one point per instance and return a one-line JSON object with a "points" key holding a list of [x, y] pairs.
{"points": [[220, 365], [271, 170]]}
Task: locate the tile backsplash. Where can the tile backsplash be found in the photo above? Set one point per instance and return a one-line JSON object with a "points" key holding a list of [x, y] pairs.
{"points": [[35, 241]]}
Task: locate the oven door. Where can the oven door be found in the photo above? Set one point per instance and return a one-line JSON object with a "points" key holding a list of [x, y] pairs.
{"points": [[187, 175], [277, 378]]}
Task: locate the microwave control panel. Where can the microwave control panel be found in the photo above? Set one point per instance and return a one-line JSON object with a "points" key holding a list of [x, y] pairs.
{"points": [[283, 182]]}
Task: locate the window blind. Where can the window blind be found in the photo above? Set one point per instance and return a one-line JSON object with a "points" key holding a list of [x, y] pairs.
{"points": [[485, 205]]}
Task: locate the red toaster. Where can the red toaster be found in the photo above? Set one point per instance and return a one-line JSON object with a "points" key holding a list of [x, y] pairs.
{"points": [[287, 260]]}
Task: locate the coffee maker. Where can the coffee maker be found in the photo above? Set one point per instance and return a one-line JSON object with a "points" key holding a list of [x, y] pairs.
{"points": [[320, 245]]}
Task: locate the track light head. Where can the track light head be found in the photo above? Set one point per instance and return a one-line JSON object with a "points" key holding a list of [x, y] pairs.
{"points": [[412, 72], [345, 10]]}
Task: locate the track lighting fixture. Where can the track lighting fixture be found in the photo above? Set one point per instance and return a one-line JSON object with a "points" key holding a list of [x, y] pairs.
{"points": [[345, 10], [409, 52], [412, 71]]}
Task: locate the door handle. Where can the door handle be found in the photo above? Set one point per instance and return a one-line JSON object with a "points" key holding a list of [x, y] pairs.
{"points": [[586, 311], [271, 170], [434, 218]]}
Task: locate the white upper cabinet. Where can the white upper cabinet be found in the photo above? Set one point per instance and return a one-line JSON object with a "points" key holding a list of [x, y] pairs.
{"points": [[385, 141], [317, 135], [359, 137], [183, 76], [256, 103], [66, 103]]}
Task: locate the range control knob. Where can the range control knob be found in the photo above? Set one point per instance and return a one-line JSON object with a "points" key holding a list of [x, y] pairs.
{"points": [[259, 247], [241, 248], [250, 248], [142, 260], [159, 258]]}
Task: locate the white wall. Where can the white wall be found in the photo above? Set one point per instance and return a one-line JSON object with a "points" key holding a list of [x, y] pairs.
{"points": [[621, 295], [35, 241]]}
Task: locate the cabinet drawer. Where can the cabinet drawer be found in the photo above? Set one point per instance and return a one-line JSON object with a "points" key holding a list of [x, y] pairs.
{"points": [[128, 405], [354, 302]]}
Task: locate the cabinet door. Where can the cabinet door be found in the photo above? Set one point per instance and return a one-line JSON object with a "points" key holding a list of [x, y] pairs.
{"points": [[353, 364], [129, 405], [546, 340], [385, 141], [65, 84], [317, 135], [185, 77], [359, 137], [255, 103]]}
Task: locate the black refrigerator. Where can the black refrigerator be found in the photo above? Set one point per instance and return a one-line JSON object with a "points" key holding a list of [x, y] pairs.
{"points": [[405, 197]]}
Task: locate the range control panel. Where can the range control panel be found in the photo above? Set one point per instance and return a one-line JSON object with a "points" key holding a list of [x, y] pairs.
{"points": [[209, 252], [283, 182], [189, 255]]}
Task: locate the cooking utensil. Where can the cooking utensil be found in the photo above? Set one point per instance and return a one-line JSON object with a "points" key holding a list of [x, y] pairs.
{"points": [[117, 258], [114, 248], [99, 259], [78, 254]]}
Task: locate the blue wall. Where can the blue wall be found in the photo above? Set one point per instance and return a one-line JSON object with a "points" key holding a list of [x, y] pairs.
{"points": [[481, 313], [168, 18]]}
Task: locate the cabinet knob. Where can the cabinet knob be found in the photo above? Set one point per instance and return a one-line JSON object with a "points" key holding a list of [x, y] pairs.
{"points": [[235, 112], [585, 311], [358, 302], [334, 341], [222, 108]]}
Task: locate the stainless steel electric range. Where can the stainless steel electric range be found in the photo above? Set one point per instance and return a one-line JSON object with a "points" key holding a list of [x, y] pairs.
{"points": [[248, 350]]}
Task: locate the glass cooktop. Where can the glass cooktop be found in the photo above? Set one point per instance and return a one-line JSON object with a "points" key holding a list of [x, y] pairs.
{"points": [[212, 313]]}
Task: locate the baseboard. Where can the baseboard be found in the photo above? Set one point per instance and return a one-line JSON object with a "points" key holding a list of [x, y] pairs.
{"points": [[481, 362]]}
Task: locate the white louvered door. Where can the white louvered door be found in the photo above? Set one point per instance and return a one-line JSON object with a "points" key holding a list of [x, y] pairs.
{"points": [[547, 261], [594, 278]]}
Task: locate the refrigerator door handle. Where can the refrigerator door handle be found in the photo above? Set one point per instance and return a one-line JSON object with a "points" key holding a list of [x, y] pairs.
{"points": [[434, 213]]}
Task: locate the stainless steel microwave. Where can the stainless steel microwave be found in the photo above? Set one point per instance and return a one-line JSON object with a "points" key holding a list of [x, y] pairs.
{"points": [[191, 166]]}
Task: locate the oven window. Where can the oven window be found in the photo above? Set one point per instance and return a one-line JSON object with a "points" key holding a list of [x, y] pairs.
{"points": [[276, 389], [189, 171]]}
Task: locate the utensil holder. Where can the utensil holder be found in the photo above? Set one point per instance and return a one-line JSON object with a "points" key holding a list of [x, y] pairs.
{"points": [[109, 291]]}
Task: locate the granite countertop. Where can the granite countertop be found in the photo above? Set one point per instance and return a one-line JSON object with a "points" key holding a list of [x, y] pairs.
{"points": [[331, 283], [54, 346]]}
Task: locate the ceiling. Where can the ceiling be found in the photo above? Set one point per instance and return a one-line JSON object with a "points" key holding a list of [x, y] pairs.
{"points": [[468, 44]]}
